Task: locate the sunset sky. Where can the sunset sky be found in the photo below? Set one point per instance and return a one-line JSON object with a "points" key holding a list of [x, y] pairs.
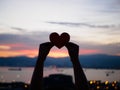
{"points": [[92, 24]]}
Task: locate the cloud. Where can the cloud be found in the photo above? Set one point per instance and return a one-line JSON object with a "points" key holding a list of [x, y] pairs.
{"points": [[12, 38], [27, 40], [22, 44], [17, 28], [111, 6], [89, 51], [30, 42], [83, 25], [111, 49], [11, 29], [4, 47]]}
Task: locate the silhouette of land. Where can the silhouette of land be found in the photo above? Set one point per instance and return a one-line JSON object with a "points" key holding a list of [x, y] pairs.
{"points": [[99, 61]]}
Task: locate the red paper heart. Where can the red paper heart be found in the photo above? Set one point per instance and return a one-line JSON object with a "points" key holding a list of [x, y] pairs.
{"points": [[59, 41]]}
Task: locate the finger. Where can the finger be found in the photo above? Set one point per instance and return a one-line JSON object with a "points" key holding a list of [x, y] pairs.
{"points": [[73, 44], [70, 44], [49, 44]]}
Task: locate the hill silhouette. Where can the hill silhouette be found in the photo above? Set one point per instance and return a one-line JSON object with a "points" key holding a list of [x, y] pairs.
{"points": [[87, 61]]}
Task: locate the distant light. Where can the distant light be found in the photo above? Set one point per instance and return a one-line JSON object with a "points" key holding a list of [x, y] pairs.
{"points": [[107, 87], [98, 87], [25, 86], [94, 81], [91, 82], [116, 88], [98, 82], [113, 84], [106, 82]]}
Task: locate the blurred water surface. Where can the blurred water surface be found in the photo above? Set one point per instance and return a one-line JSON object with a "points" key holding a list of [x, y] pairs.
{"points": [[24, 74]]}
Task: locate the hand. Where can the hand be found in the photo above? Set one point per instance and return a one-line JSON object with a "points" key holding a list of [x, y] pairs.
{"points": [[44, 49], [73, 50]]}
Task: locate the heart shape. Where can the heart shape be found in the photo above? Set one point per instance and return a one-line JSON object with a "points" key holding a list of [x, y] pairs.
{"points": [[59, 41]]}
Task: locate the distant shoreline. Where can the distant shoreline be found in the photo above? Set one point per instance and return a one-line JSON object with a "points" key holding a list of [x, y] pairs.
{"points": [[97, 61], [16, 67]]}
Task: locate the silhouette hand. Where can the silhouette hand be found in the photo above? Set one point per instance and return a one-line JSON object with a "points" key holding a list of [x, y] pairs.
{"points": [[44, 49], [73, 50]]}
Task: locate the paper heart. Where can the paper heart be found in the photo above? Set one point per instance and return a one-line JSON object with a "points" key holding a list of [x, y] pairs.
{"points": [[59, 40]]}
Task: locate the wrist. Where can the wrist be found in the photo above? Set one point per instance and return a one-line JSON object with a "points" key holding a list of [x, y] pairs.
{"points": [[74, 58], [75, 61], [77, 65], [41, 59]]}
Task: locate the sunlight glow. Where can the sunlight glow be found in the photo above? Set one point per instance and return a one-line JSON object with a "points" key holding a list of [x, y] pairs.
{"points": [[29, 53], [9, 53], [55, 53], [58, 53]]}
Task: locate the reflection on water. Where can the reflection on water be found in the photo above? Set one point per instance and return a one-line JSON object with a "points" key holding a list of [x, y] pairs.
{"points": [[24, 74]]}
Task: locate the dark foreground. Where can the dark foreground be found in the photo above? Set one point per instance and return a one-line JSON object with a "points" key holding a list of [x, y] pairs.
{"points": [[55, 82]]}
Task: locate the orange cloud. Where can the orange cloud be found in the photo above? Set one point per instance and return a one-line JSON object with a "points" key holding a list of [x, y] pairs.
{"points": [[55, 52], [4, 47], [32, 53], [28, 53], [88, 51], [9, 53], [12, 45]]}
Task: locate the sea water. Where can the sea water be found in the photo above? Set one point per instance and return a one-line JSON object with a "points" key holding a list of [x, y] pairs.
{"points": [[24, 74]]}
